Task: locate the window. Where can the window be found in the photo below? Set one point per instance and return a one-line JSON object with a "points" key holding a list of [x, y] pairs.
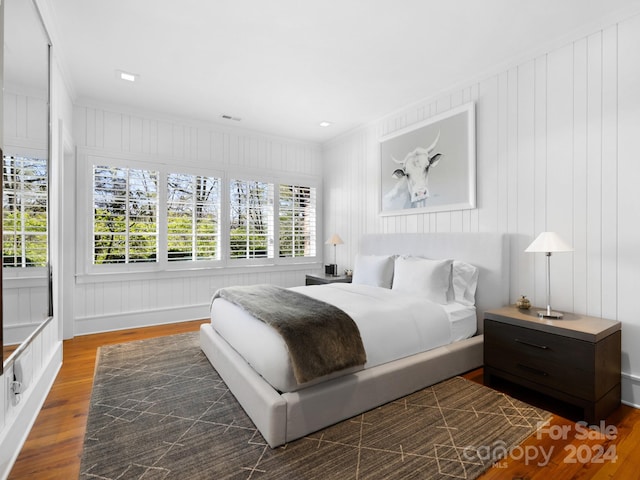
{"points": [[297, 221], [125, 206], [251, 219], [152, 217], [24, 212], [193, 213]]}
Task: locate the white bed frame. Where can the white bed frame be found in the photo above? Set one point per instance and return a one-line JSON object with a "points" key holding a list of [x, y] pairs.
{"points": [[283, 417]]}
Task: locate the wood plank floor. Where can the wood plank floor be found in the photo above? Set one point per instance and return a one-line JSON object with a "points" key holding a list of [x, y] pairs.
{"points": [[54, 446]]}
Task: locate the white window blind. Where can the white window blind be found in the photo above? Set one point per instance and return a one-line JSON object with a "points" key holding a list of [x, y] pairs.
{"points": [[125, 215], [297, 221], [24, 212], [193, 217], [251, 219]]}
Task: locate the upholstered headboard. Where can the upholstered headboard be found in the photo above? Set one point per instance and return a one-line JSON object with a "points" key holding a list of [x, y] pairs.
{"points": [[487, 251]]}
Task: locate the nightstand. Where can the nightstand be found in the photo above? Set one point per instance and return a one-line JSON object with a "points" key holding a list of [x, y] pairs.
{"points": [[322, 279], [575, 359]]}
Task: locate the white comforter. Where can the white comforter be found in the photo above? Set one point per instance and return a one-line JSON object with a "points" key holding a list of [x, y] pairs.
{"points": [[392, 325]]}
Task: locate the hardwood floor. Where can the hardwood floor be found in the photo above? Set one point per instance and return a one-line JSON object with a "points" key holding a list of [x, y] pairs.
{"points": [[566, 450], [54, 446]]}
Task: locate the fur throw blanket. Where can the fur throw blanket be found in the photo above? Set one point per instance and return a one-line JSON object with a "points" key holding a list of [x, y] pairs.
{"points": [[321, 338]]}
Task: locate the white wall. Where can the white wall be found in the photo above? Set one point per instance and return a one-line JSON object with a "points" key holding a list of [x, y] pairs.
{"points": [[106, 303], [557, 149]]}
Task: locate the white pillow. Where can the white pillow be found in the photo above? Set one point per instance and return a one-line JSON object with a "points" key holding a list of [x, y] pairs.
{"points": [[423, 276], [464, 281], [376, 270]]}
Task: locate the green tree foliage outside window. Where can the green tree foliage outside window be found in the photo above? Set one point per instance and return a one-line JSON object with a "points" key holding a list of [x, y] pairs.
{"points": [[24, 211], [193, 212], [125, 217]]}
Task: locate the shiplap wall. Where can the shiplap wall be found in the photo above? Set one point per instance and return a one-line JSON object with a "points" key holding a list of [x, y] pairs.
{"points": [[558, 138], [119, 302]]}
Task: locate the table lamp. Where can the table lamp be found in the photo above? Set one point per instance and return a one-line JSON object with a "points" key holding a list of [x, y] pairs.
{"points": [[332, 268], [548, 243]]}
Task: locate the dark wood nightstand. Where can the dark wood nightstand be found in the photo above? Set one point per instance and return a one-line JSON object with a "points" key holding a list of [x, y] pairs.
{"points": [[322, 279], [575, 359]]}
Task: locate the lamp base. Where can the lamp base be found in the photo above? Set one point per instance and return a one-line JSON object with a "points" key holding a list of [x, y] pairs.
{"points": [[331, 269], [550, 314]]}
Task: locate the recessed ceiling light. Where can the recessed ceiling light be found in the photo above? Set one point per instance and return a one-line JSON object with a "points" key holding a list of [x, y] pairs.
{"points": [[126, 76], [325, 124]]}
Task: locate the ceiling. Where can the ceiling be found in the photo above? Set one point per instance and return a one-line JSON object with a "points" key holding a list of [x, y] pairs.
{"points": [[283, 66]]}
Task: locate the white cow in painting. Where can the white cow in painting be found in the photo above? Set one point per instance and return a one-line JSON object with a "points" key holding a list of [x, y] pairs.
{"points": [[411, 189]]}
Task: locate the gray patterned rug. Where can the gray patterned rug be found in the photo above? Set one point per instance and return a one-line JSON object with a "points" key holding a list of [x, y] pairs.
{"points": [[160, 411]]}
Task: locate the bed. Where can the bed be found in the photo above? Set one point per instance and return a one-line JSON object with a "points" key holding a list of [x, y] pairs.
{"points": [[284, 410]]}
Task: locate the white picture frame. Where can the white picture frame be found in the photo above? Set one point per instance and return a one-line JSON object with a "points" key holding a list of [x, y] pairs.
{"points": [[430, 166]]}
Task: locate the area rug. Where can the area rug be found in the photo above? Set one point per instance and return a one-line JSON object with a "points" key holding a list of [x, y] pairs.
{"points": [[160, 411]]}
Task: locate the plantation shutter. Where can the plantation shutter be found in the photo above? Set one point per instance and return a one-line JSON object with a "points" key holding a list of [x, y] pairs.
{"points": [[125, 215], [251, 219], [193, 214], [297, 221]]}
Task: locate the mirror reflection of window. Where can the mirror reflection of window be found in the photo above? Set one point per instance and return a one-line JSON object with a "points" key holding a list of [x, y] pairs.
{"points": [[24, 213]]}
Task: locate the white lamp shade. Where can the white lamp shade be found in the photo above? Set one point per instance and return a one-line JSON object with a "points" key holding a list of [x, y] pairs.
{"points": [[334, 240], [549, 242]]}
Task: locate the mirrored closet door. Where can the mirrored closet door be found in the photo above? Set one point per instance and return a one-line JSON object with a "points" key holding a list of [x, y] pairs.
{"points": [[25, 175]]}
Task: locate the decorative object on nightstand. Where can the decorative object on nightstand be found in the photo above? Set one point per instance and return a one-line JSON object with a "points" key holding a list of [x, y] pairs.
{"points": [[523, 303], [332, 268], [576, 360], [548, 242]]}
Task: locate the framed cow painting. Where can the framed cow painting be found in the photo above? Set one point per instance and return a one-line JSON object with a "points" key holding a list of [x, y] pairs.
{"points": [[430, 166]]}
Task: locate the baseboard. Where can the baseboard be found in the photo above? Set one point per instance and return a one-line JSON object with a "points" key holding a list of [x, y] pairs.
{"points": [[631, 390], [14, 435], [146, 318]]}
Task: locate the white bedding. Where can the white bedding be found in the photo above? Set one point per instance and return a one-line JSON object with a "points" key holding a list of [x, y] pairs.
{"points": [[392, 325], [464, 322]]}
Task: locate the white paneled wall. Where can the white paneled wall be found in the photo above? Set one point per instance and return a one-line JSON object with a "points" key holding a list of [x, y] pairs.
{"points": [[179, 143], [25, 118], [127, 302], [558, 138]]}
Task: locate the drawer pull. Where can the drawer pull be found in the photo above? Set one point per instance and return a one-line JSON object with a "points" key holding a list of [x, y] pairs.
{"points": [[533, 370], [542, 347]]}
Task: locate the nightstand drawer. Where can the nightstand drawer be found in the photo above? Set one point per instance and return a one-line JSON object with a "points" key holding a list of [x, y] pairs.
{"points": [[555, 361]]}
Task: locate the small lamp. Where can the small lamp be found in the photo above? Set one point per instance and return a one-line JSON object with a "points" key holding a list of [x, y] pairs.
{"points": [[332, 269], [549, 242]]}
